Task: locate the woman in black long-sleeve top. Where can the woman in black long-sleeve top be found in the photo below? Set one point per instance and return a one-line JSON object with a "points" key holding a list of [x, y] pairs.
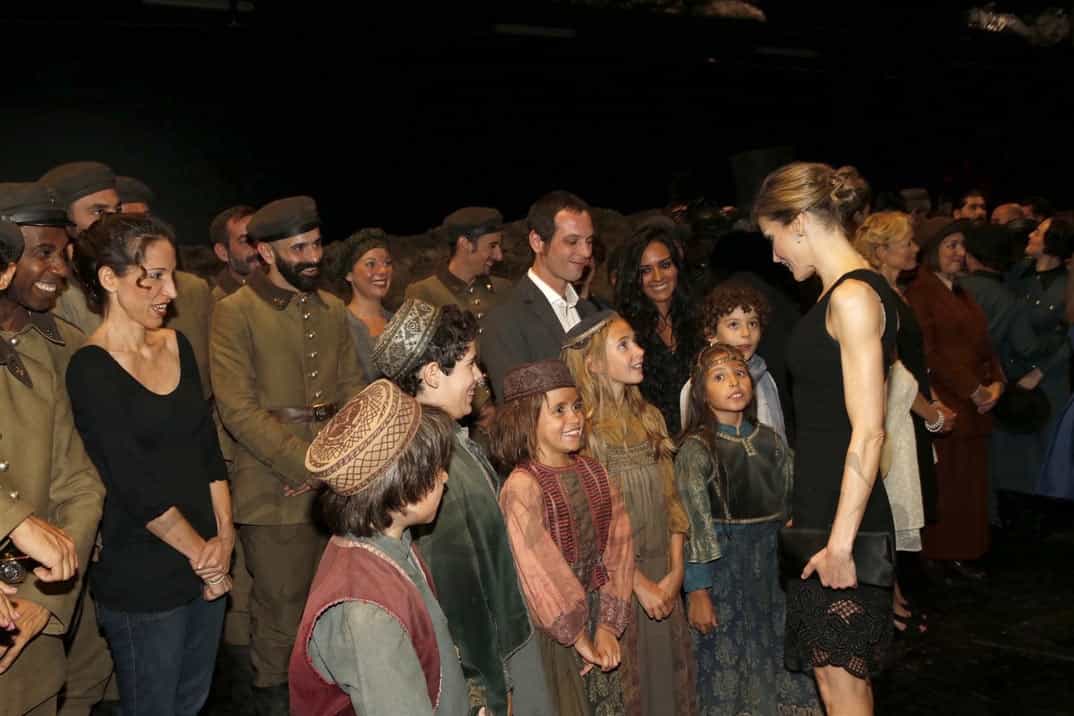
{"points": [[167, 533]]}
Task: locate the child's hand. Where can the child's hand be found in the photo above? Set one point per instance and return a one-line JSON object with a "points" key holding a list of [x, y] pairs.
{"points": [[588, 652], [651, 596], [700, 612], [607, 646], [671, 585]]}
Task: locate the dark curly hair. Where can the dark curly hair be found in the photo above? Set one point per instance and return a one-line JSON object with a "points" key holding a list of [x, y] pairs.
{"points": [[409, 479], [728, 296], [116, 241], [340, 257], [455, 332]]}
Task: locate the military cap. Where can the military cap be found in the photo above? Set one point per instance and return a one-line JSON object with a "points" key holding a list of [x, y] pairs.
{"points": [[31, 203], [284, 218], [473, 221], [11, 243], [134, 191], [74, 180]]}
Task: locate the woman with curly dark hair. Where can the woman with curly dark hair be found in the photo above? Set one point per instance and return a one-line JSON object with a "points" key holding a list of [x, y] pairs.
{"points": [[359, 269], [652, 294]]}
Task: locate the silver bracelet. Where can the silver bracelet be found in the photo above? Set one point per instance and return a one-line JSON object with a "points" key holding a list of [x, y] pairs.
{"points": [[937, 426], [214, 582]]}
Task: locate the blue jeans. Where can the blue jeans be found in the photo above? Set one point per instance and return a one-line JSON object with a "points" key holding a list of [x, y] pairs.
{"points": [[164, 660]]}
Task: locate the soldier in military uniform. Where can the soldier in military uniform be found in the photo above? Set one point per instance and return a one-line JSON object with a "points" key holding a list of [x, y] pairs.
{"points": [[232, 246], [474, 237], [28, 324], [283, 362], [43, 469]]}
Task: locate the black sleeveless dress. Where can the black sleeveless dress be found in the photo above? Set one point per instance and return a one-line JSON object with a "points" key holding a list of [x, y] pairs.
{"points": [[849, 628]]}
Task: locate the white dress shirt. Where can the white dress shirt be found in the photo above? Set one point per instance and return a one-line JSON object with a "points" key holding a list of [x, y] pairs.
{"points": [[565, 306]]}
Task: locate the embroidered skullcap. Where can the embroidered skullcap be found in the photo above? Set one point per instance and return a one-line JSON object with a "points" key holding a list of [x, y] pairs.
{"points": [[363, 439], [533, 378], [577, 336], [405, 338], [74, 180]]}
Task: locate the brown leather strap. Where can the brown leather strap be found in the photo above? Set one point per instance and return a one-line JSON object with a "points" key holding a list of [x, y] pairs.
{"points": [[313, 414]]}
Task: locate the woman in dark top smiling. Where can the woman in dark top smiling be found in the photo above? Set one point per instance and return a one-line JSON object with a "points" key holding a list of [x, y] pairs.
{"points": [[652, 295], [167, 533]]}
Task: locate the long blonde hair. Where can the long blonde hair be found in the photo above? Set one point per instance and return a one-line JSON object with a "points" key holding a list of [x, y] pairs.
{"points": [[606, 416]]}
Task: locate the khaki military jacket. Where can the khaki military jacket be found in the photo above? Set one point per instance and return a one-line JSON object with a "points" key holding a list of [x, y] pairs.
{"points": [[48, 339], [224, 284], [272, 349], [45, 467], [71, 306], [444, 287]]}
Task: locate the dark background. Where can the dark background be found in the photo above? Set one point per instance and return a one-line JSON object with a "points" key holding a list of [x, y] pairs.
{"points": [[395, 117]]}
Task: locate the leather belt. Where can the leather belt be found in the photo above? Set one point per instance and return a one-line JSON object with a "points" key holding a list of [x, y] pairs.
{"points": [[313, 414]]}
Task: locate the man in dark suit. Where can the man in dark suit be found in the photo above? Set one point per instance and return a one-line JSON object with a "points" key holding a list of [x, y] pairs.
{"points": [[533, 323]]}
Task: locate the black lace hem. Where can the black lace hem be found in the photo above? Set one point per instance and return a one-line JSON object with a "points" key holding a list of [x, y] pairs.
{"points": [[848, 628]]}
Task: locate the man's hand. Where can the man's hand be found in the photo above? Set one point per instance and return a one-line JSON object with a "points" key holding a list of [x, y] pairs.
{"points": [[49, 546], [8, 613], [214, 591], [1031, 380], [32, 618]]}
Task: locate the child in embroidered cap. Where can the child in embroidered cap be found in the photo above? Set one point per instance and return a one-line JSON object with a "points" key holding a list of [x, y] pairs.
{"points": [[627, 435], [570, 535], [735, 478], [373, 639], [735, 314]]}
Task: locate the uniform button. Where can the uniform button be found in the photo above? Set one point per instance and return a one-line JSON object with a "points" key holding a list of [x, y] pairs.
{"points": [[480, 330], [1051, 308], [312, 355], [311, 335], [14, 494], [302, 298], [1038, 301], [306, 315], [15, 341], [477, 301], [314, 374], [3, 465], [318, 393]]}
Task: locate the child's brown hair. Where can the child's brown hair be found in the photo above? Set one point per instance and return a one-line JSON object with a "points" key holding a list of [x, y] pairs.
{"points": [[728, 296]]}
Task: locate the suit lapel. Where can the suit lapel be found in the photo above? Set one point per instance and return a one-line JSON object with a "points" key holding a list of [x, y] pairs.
{"points": [[542, 310]]}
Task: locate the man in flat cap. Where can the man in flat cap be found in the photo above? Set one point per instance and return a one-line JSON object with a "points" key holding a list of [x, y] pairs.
{"points": [[233, 247], [28, 324], [283, 362], [474, 236], [87, 191], [533, 323], [44, 473], [135, 196]]}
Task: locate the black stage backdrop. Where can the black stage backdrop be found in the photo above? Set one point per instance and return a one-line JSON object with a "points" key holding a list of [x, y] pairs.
{"points": [[394, 118]]}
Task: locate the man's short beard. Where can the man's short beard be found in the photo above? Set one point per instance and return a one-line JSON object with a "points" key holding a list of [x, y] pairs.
{"points": [[292, 273], [242, 268]]}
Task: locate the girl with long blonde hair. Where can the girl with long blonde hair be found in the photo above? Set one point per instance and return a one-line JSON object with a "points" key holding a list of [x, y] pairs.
{"points": [[628, 436]]}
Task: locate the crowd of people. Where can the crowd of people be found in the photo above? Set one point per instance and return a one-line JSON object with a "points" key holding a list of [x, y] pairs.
{"points": [[689, 488]]}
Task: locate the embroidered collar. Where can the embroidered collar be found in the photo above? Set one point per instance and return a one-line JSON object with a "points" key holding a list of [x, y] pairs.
{"points": [[278, 298], [741, 431]]}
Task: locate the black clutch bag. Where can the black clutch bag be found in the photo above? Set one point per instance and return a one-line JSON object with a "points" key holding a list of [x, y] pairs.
{"points": [[874, 554]]}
